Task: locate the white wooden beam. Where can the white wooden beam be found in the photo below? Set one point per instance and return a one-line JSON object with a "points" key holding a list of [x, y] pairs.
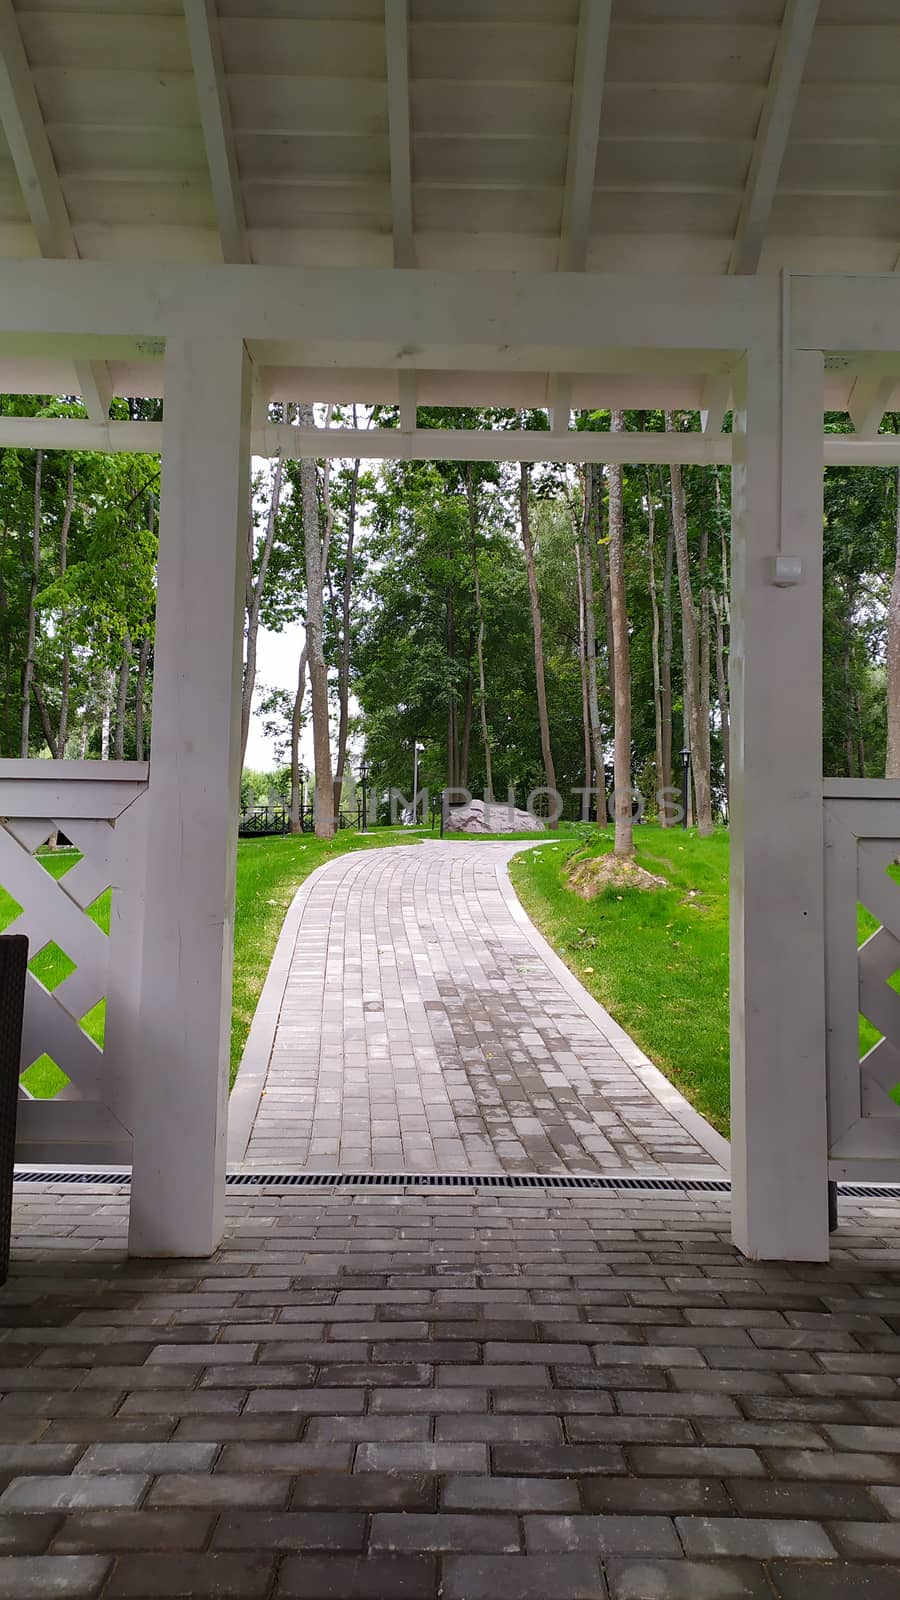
{"points": [[396, 49], [26, 135], [772, 133], [778, 1121], [714, 402], [407, 383], [364, 316], [215, 116], [439, 444], [584, 132], [869, 400], [192, 805], [559, 402]]}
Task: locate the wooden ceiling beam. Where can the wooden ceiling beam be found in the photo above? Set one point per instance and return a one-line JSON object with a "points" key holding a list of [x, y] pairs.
{"points": [[26, 135], [772, 134], [218, 135], [396, 49]]}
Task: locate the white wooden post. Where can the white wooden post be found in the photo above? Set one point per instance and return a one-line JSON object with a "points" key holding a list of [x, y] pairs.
{"points": [[779, 1150], [178, 1182]]}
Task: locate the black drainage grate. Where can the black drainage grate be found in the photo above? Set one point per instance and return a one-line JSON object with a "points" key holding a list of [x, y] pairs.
{"points": [[452, 1180]]}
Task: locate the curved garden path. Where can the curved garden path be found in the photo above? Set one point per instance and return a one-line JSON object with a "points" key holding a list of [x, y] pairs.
{"points": [[414, 1020]]}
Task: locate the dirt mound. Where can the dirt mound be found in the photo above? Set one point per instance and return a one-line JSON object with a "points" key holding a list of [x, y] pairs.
{"points": [[590, 876]]}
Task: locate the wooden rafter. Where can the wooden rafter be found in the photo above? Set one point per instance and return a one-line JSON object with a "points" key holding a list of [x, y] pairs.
{"points": [[215, 116], [772, 134], [869, 400], [26, 135], [396, 49]]}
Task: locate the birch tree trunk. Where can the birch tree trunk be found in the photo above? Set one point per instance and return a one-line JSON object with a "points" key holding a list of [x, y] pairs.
{"points": [[892, 757], [106, 712], [344, 665], [590, 632], [254, 593], [315, 639], [665, 674], [122, 698], [622, 795], [28, 673], [65, 664], [453, 766], [537, 632], [296, 824], [472, 500], [654, 651], [697, 740], [139, 693], [722, 693], [704, 698], [582, 663]]}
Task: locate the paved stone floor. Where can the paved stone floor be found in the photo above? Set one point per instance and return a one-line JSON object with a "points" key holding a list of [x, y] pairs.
{"points": [[422, 1029], [395, 1396]]}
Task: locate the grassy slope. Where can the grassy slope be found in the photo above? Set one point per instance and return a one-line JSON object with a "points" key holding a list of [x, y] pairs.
{"points": [[657, 961]]}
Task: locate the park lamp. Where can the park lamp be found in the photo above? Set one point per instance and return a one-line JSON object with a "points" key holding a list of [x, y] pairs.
{"points": [[685, 780]]}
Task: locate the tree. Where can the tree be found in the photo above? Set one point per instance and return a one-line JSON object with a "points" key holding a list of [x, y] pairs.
{"points": [[316, 561], [695, 721], [258, 559], [543, 719], [622, 790]]}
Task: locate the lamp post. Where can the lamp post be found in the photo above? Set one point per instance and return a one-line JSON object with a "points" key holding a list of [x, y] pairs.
{"points": [[685, 784], [363, 778], [415, 805], [301, 774]]}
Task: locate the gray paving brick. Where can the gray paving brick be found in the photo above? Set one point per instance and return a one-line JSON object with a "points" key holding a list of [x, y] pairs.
{"points": [[713, 1461], [358, 1578], [421, 1458], [27, 1535], [290, 1530], [214, 1576], [445, 1531], [837, 1581], [79, 1492], [509, 1494], [760, 1538], [546, 1461], [690, 1580], [655, 1496], [603, 1535], [834, 1465], [86, 1532], [171, 1456], [284, 1457], [567, 1577], [221, 1489], [51, 1577], [759, 1497], [373, 1491], [871, 1541], [373, 1430]]}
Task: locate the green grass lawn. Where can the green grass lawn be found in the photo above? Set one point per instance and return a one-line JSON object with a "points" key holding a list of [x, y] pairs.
{"points": [[657, 961]]}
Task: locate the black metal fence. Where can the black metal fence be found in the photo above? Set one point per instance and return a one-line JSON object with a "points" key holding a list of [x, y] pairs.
{"points": [[261, 822]]}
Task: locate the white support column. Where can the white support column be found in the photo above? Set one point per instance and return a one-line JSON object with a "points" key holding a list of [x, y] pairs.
{"points": [[779, 1136], [178, 1184]]}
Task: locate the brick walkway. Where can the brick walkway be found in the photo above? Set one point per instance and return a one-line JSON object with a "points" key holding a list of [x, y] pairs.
{"points": [[394, 1396], [422, 1025]]}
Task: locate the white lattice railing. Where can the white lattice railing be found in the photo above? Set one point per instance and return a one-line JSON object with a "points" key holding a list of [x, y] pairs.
{"points": [[862, 848], [98, 807]]}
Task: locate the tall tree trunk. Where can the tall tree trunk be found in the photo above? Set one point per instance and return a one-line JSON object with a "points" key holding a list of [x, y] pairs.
{"points": [[453, 772], [65, 664], [344, 665], [622, 793], [106, 679], [537, 631], [665, 676], [296, 717], [892, 758], [139, 693], [468, 718], [654, 652], [722, 693], [703, 709], [46, 723], [254, 593], [846, 666], [315, 639], [582, 665], [699, 746], [472, 500], [860, 736], [28, 673], [122, 698], [590, 630]]}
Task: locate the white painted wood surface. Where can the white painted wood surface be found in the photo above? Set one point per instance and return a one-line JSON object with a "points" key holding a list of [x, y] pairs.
{"points": [[181, 1095], [102, 813], [779, 1143]]}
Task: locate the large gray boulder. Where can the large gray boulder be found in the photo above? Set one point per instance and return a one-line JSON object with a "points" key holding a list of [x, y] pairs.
{"points": [[477, 817]]}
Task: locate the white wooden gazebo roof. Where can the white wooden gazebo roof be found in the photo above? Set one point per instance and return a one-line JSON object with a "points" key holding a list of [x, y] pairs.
{"points": [[632, 137]]}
